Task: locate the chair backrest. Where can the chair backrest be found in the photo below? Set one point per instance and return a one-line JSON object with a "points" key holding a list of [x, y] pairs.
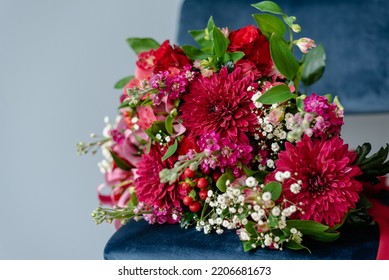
{"points": [[355, 34]]}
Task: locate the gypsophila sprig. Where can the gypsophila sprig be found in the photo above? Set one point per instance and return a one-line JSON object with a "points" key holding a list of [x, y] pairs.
{"points": [[219, 137]]}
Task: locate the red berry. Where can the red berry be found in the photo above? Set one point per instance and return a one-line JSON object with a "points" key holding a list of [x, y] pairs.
{"points": [[188, 200], [189, 173], [216, 175], [202, 183], [186, 186], [195, 206], [203, 194]]}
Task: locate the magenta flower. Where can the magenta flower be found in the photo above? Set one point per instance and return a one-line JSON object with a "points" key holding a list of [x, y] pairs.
{"points": [[220, 103], [323, 180], [148, 186]]}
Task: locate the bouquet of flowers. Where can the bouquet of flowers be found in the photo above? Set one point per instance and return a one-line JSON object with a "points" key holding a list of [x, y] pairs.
{"points": [[220, 136]]}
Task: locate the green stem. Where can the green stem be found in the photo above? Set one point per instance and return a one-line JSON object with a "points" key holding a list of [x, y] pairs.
{"points": [[290, 39]]}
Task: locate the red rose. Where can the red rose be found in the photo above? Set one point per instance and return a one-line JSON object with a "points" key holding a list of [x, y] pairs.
{"points": [[145, 65], [169, 58], [255, 46], [186, 144]]}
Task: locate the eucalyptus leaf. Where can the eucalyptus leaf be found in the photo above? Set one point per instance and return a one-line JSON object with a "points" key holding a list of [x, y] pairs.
{"points": [[314, 65], [171, 150], [139, 45], [274, 188], [276, 94], [270, 24], [120, 84], [268, 7], [283, 57]]}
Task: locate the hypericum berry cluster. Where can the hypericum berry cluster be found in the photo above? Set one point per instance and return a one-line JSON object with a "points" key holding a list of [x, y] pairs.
{"points": [[198, 186]]}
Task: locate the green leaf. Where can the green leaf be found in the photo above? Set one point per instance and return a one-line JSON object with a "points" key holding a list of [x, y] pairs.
{"points": [[155, 128], [268, 7], [221, 182], [120, 84], [199, 37], [307, 227], [169, 124], [134, 199], [289, 20], [274, 188], [234, 57], [273, 221], [120, 163], [276, 94], [247, 245], [260, 175], [293, 245], [283, 57], [171, 150], [270, 24], [314, 65], [194, 53], [250, 228], [325, 236], [220, 42], [300, 103], [139, 45], [210, 25]]}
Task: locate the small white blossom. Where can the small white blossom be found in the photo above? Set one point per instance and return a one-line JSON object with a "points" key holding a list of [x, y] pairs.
{"points": [[279, 176], [293, 230], [276, 211], [270, 163], [295, 188], [287, 174], [275, 147], [219, 231], [266, 196], [251, 182], [134, 120], [210, 193]]}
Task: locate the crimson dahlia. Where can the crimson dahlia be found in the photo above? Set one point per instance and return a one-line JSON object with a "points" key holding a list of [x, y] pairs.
{"points": [[222, 104], [148, 187], [322, 181]]}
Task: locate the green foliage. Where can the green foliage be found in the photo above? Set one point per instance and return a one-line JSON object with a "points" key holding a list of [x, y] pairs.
{"points": [[314, 230], [171, 150], [275, 189], [270, 24], [314, 65], [259, 175], [283, 57], [269, 7], [276, 94], [139, 45], [119, 162], [221, 182], [120, 84], [374, 166]]}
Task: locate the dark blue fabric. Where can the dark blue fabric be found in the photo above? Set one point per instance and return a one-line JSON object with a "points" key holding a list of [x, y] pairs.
{"points": [[355, 34], [139, 240]]}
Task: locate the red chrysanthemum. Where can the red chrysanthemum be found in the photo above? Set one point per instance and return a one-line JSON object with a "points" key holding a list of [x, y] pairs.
{"points": [[322, 181], [148, 187], [222, 104]]}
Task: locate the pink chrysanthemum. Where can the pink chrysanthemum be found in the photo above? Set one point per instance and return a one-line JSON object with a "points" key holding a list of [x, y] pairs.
{"points": [[220, 103], [148, 187], [322, 181]]}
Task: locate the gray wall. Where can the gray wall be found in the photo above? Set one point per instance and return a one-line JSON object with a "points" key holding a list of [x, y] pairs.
{"points": [[58, 62]]}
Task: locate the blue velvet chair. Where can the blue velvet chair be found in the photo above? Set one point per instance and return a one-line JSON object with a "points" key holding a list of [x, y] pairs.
{"points": [[356, 36]]}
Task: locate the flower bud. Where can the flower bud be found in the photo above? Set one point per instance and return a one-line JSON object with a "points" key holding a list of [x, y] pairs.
{"points": [[305, 44], [296, 28]]}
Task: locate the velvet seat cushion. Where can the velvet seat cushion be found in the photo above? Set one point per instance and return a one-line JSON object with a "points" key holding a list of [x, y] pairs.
{"points": [[139, 240]]}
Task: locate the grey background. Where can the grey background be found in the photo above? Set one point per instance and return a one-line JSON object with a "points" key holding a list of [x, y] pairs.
{"points": [[58, 63]]}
